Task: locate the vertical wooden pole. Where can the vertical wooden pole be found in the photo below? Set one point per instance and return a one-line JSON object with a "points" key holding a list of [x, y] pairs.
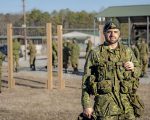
{"points": [[11, 82], [129, 31], [60, 57], [49, 54], [101, 33], [148, 41]]}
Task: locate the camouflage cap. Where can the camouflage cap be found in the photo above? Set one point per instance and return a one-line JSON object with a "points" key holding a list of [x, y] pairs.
{"points": [[111, 24]]}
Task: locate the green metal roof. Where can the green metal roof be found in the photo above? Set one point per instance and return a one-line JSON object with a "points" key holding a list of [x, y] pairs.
{"points": [[126, 11]]}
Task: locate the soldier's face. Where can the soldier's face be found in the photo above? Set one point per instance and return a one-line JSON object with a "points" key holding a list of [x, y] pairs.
{"points": [[112, 36]]}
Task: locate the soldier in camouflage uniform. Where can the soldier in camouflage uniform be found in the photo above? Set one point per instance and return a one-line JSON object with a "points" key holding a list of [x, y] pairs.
{"points": [[16, 49], [54, 53], [111, 74], [75, 52], [136, 52], [66, 55], [2, 56], [32, 54], [144, 55], [88, 48]]}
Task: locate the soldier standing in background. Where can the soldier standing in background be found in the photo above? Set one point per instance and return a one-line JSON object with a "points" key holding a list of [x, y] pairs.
{"points": [[2, 57], [32, 54], [66, 55], [16, 50], [54, 54], [110, 74], [75, 53], [89, 47], [136, 52], [144, 56]]}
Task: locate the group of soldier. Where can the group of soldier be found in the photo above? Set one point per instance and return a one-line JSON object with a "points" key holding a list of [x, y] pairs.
{"points": [[71, 52], [17, 53]]}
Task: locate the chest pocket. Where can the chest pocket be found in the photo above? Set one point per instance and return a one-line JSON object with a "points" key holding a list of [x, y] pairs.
{"points": [[98, 70]]}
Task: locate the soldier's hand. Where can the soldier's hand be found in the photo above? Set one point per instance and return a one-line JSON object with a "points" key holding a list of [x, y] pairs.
{"points": [[87, 112], [129, 66]]}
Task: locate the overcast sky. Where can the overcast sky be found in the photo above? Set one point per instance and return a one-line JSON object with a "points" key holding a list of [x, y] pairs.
{"points": [[15, 6]]}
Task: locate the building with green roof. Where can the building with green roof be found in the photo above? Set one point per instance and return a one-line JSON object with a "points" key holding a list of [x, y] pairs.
{"points": [[134, 20]]}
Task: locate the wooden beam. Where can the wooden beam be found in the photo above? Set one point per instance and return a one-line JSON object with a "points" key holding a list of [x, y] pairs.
{"points": [[60, 57], [11, 81], [129, 31], [148, 41], [102, 39], [49, 54]]}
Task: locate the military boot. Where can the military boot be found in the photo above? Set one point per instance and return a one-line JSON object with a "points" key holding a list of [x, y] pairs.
{"points": [[66, 71], [30, 66], [16, 69], [33, 68], [76, 71]]}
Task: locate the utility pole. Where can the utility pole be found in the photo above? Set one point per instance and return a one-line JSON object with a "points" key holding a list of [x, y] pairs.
{"points": [[25, 28], [94, 25]]}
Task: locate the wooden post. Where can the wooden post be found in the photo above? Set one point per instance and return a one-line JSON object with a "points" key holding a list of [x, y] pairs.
{"points": [[129, 31], [147, 40], [11, 82], [49, 54], [60, 57], [101, 33]]}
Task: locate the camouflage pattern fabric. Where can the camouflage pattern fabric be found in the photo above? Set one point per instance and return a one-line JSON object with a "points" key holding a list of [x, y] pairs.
{"points": [[144, 55], [136, 52], [66, 55], [54, 53], [75, 52], [106, 79], [16, 49]]}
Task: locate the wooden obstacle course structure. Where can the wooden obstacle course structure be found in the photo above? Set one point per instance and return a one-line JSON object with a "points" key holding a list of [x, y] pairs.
{"points": [[11, 81]]}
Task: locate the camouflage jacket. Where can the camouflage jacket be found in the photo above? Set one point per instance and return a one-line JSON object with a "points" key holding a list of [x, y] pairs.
{"points": [[75, 53], [32, 49], [16, 48], [143, 49], [108, 61]]}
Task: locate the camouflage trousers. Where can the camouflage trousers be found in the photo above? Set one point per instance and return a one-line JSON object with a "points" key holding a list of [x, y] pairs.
{"points": [[144, 63], [15, 61], [117, 117], [32, 60], [107, 108]]}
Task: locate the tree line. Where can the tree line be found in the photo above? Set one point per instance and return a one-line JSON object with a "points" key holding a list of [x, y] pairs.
{"points": [[36, 17]]}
